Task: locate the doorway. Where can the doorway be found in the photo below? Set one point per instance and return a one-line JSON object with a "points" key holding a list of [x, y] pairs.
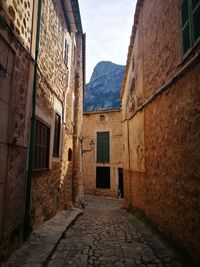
{"points": [[121, 183]]}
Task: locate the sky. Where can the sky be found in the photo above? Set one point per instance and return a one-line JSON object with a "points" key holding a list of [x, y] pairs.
{"points": [[107, 24]]}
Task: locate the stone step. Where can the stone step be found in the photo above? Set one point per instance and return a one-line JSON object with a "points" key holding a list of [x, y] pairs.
{"points": [[36, 251]]}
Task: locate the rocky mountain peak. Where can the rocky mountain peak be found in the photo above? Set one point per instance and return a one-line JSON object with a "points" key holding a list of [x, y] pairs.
{"points": [[103, 90]]}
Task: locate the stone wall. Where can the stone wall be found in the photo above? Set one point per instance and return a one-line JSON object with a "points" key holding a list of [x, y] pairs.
{"points": [[15, 110], [18, 15], [162, 167], [52, 190], [92, 125], [47, 186], [78, 124], [53, 31]]}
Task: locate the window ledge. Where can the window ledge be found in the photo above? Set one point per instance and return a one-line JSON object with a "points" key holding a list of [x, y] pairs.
{"points": [[40, 170], [56, 159], [103, 188], [186, 56]]}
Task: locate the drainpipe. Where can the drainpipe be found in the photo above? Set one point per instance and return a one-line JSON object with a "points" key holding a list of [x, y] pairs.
{"points": [[27, 227], [129, 163]]}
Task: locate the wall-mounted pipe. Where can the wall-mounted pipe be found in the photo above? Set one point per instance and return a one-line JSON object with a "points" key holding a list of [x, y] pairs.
{"points": [[27, 228]]}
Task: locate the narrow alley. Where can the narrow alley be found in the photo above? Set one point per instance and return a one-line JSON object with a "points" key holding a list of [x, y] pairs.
{"points": [[99, 133], [106, 235]]}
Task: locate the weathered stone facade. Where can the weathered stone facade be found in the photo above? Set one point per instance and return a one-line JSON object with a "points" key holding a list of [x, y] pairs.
{"points": [[59, 90], [18, 15], [16, 78], [102, 121], [58, 93], [160, 114], [77, 185]]}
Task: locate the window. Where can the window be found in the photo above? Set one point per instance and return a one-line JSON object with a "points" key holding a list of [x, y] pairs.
{"points": [[133, 63], [56, 145], [69, 154], [132, 86], [72, 111], [190, 23], [65, 51], [103, 177], [41, 146], [102, 118], [103, 147]]}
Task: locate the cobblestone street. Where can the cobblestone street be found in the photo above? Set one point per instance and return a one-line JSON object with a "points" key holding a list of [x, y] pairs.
{"points": [[106, 235]]}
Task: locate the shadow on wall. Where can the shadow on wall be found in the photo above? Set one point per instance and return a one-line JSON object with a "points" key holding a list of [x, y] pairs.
{"points": [[51, 191]]}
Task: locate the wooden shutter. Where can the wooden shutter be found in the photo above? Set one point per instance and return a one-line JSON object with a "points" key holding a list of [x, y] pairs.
{"points": [[41, 146], [185, 25], [196, 19], [56, 145], [103, 147], [66, 48]]}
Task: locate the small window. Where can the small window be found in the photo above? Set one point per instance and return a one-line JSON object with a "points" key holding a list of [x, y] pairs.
{"points": [[132, 90], [72, 111], [103, 177], [65, 51], [190, 23], [103, 147], [69, 154], [56, 145], [133, 63], [41, 146], [102, 118]]}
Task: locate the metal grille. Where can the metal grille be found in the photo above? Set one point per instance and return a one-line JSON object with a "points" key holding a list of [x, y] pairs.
{"points": [[190, 20], [196, 22], [186, 39], [195, 3]]}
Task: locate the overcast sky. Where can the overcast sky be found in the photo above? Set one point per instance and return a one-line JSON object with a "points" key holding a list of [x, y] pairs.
{"points": [[107, 24]]}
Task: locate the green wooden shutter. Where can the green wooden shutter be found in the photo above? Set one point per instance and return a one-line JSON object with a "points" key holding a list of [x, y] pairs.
{"points": [[186, 35], [196, 19], [103, 147]]}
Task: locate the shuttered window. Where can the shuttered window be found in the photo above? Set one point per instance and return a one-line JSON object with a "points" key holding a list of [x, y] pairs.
{"points": [[41, 146], [196, 19], [103, 147], [103, 177], [56, 145], [65, 52], [190, 23]]}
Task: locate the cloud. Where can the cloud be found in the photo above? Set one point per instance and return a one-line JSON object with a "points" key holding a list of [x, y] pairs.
{"points": [[108, 28]]}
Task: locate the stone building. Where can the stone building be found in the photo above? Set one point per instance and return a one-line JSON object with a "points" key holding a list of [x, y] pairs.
{"points": [[60, 85], [42, 53], [161, 119], [102, 153], [17, 36]]}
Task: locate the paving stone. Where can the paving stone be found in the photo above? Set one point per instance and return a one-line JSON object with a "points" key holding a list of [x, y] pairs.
{"points": [[105, 235], [109, 236], [36, 250]]}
